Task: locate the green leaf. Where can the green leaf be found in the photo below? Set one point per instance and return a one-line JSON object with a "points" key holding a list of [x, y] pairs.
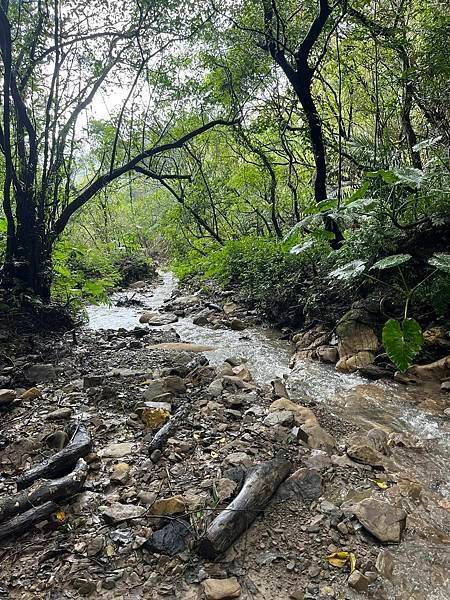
{"points": [[348, 271], [440, 261], [409, 176], [402, 342], [391, 261], [302, 247], [427, 143]]}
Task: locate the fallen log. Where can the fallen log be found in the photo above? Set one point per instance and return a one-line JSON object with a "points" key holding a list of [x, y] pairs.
{"points": [[60, 463], [24, 522], [167, 430], [43, 491], [260, 484]]}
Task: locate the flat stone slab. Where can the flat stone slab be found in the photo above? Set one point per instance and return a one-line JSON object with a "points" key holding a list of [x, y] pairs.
{"points": [[181, 347]]}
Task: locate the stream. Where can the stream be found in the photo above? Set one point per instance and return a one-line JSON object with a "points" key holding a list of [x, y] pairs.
{"points": [[423, 557]]}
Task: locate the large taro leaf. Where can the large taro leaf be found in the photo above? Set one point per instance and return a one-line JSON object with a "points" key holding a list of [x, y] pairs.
{"points": [[348, 271], [440, 261], [402, 341], [391, 261]]}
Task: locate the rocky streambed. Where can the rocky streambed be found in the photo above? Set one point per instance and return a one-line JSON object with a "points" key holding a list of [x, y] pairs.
{"points": [[364, 511]]}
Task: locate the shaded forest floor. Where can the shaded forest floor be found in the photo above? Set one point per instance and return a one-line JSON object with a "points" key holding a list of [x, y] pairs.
{"points": [[106, 542]]}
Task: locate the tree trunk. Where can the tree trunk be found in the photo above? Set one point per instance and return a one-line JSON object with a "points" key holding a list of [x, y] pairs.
{"points": [[27, 263], [302, 86]]}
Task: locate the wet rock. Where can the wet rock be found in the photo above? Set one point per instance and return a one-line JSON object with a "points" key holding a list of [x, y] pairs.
{"points": [[157, 319], [40, 373], [356, 340], [365, 454], [59, 414], [304, 484], [7, 396], [168, 506], [350, 364], [358, 581], [182, 347], [279, 388], [170, 540], [116, 450], [235, 361], [215, 388], [327, 354], [385, 564], [243, 373], [118, 512], [382, 520], [378, 439], [221, 589], [283, 418], [237, 325], [438, 370], [375, 372]]}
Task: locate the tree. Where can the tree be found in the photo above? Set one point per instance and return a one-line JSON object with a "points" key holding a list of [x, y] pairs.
{"points": [[56, 58]]}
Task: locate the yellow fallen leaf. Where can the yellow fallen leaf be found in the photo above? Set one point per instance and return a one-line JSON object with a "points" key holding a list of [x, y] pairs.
{"points": [[383, 485], [60, 516], [352, 562], [154, 417], [341, 558]]}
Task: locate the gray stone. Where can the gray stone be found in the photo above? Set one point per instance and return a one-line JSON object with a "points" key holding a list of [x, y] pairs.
{"points": [[283, 418], [304, 484], [382, 520], [358, 581], [92, 381], [7, 396], [40, 373], [385, 564], [221, 589], [118, 512], [60, 413], [116, 450]]}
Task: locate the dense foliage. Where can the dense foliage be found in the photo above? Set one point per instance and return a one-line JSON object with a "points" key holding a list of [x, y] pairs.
{"points": [[333, 154]]}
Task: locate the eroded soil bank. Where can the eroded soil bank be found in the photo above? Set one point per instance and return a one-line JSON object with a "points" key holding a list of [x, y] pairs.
{"points": [[369, 472]]}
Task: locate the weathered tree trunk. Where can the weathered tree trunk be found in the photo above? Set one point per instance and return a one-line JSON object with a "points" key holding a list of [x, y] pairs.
{"points": [[27, 263], [302, 88], [259, 486], [61, 462], [43, 491], [24, 522]]}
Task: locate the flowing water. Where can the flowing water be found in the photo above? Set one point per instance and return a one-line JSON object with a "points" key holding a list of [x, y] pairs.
{"points": [[423, 557]]}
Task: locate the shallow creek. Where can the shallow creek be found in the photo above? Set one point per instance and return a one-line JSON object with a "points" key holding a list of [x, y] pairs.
{"points": [[423, 557]]}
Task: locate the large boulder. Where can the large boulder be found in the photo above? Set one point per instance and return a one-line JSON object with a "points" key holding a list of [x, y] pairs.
{"points": [[438, 370], [357, 341], [381, 519], [310, 430]]}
